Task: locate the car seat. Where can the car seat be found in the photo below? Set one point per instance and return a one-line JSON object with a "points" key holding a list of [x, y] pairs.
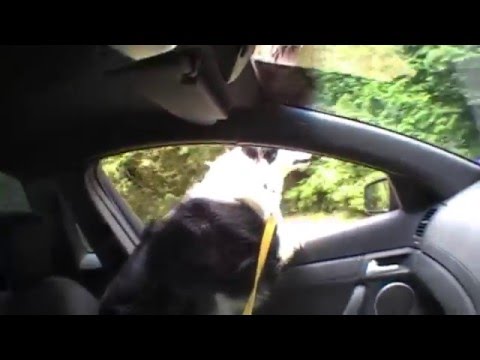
{"points": [[27, 286]]}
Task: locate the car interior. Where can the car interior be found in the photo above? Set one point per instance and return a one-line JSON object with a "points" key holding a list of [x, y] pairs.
{"points": [[65, 232]]}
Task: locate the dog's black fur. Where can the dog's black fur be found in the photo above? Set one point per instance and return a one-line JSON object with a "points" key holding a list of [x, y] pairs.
{"points": [[202, 249]]}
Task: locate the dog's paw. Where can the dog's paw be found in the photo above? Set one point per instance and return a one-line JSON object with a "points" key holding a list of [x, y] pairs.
{"points": [[288, 248]]}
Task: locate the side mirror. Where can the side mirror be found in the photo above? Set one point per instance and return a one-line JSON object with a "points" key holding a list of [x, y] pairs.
{"points": [[377, 197]]}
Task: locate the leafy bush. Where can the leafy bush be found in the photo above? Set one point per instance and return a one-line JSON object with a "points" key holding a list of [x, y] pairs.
{"points": [[330, 186], [153, 180]]}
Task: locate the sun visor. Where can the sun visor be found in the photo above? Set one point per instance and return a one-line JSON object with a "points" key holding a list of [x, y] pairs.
{"points": [[189, 81], [141, 52]]}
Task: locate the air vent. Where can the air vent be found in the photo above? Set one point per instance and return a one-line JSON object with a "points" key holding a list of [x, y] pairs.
{"points": [[422, 226]]}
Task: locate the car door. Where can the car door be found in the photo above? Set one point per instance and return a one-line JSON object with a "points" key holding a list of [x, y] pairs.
{"points": [[375, 266]]}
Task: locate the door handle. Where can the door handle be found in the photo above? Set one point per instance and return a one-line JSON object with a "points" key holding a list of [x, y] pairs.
{"points": [[375, 271]]}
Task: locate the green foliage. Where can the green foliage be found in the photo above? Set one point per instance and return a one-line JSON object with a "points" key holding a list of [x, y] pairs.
{"points": [[330, 186], [152, 181], [428, 105]]}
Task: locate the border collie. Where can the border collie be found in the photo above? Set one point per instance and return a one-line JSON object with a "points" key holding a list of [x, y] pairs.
{"points": [[201, 258]]}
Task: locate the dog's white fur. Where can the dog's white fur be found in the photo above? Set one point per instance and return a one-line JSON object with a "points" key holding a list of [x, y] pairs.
{"points": [[234, 177]]}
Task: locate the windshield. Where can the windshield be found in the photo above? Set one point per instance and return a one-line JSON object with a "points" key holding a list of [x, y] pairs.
{"points": [[428, 92]]}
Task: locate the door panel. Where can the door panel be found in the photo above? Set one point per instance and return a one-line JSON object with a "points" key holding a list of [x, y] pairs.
{"points": [[377, 233], [367, 270], [354, 293]]}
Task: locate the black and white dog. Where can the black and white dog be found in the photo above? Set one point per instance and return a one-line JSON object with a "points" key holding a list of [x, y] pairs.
{"points": [[201, 259]]}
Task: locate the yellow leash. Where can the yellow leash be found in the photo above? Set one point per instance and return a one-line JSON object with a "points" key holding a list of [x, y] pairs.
{"points": [[262, 257]]}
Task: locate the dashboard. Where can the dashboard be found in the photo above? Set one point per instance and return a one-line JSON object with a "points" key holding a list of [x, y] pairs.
{"points": [[449, 260]]}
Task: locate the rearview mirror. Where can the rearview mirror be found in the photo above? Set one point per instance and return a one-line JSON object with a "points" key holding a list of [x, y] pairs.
{"points": [[377, 197]]}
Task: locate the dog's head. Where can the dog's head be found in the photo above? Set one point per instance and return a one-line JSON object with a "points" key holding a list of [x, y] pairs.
{"points": [[282, 160], [252, 174]]}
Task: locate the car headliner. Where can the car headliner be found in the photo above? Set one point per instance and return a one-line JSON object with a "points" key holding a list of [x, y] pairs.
{"points": [[64, 104]]}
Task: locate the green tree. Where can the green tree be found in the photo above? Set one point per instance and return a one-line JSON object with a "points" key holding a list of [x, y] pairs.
{"points": [[429, 105], [152, 181]]}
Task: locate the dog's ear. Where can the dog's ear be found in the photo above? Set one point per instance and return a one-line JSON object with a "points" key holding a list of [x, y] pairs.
{"points": [[252, 152], [127, 284], [270, 154]]}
